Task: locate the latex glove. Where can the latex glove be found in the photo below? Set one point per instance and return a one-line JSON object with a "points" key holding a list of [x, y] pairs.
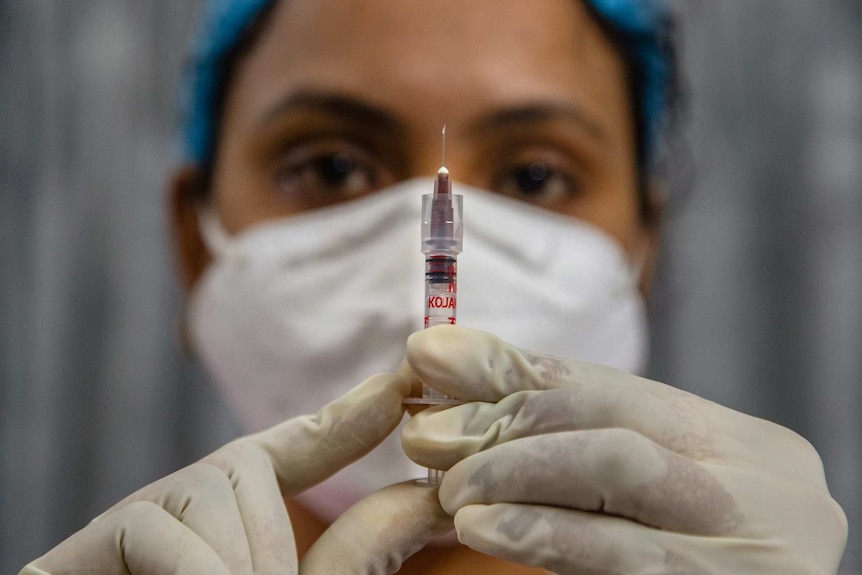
{"points": [[579, 468], [225, 514]]}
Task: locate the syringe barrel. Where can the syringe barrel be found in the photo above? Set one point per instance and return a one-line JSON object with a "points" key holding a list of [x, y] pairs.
{"points": [[442, 241], [442, 224]]}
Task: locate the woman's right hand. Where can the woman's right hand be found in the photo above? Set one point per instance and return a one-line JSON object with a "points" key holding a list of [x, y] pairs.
{"points": [[225, 514], [580, 468]]}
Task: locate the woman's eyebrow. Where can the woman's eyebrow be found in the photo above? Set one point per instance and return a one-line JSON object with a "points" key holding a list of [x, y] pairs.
{"points": [[535, 113], [342, 106]]}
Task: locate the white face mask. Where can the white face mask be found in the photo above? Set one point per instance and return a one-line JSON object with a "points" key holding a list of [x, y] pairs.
{"points": [[295, 312]]}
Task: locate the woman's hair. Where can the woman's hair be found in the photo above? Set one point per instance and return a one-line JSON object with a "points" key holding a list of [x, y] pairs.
{"points": [[225, 72], [646, 38], [650, 57]]}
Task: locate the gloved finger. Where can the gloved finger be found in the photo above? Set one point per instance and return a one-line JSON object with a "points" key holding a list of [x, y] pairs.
{"points": [[263, 518], [611, 471], [416, 387], [306, 450], [139, 539], [477, 366], [201, 497], [568, 541], [377, 534], [448, 435]]}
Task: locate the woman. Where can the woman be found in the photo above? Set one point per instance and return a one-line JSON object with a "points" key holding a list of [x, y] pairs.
{"points": [[312, 126]]}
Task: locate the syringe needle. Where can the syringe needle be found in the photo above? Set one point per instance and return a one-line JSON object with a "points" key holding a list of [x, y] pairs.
{"points": [[443, 162], [442, 203]]}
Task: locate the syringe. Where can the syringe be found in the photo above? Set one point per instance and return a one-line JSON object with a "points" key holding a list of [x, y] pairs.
{"points": [[442, 240]]}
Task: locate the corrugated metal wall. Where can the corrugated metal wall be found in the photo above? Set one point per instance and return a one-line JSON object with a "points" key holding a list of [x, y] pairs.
{"points": [[96, 399], [759, 306]]}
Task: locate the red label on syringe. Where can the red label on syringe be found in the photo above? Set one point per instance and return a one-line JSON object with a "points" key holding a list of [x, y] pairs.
{"points": [[441, 290]]}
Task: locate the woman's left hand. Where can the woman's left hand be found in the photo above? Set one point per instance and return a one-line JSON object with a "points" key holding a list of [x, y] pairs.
{"points": [[580, 468], [225, 514]]}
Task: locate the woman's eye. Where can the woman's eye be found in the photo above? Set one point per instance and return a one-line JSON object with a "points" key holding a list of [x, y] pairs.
{"points": [[323, 177], [537, 182]]}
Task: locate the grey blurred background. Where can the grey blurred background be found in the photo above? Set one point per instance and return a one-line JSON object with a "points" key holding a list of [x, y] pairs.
{"points": [[758, 307]]}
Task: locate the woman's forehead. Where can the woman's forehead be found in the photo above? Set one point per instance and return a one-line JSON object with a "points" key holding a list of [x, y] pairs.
{"points": [[436, 60]]}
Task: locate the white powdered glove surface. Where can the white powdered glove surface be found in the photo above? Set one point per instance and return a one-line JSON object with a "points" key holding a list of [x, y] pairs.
{"points": [[225, 514], [579, 468]]}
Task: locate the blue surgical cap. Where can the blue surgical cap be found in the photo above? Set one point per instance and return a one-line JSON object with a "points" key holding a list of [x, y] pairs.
{"points": [[640, 25]]}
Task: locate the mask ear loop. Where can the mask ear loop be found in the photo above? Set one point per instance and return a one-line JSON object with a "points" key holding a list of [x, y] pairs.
{"points": [[638, 263], [631, 271], [220, 245], [213, 233], [642, 267]]}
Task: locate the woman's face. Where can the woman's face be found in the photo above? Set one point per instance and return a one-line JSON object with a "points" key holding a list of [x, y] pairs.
{"points": [[339, 98]]}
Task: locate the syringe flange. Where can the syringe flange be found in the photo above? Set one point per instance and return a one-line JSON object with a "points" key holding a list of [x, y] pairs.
{"points": [[432, 401]]}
